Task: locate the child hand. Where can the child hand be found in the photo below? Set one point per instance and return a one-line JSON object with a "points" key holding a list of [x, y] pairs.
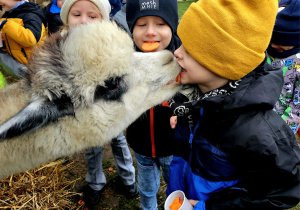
{"points": [[173, 121], [193, 202]]}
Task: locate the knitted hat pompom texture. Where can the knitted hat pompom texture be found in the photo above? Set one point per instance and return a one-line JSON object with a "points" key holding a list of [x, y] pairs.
{"points": [[228, 37], [287, 26], [103, 6]]}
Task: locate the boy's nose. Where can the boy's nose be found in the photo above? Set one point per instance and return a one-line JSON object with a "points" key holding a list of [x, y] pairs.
{"points": [[177, 52], [151, 30]]}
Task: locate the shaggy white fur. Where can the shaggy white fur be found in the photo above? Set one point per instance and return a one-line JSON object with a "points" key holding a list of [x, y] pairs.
{"points": [[81, 91]]}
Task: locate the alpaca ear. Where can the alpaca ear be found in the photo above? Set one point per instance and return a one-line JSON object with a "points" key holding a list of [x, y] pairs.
{"points": [[36, 115]]}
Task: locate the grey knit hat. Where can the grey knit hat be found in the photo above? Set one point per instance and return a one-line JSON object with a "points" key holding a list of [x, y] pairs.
{"points": [[103, 6]]}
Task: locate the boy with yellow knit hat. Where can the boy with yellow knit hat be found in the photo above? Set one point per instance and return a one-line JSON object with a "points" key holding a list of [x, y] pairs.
{"points": [[232, 150]]}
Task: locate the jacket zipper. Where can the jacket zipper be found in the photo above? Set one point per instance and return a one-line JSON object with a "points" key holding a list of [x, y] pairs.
{"points": [[192, 135], [152, 131]]}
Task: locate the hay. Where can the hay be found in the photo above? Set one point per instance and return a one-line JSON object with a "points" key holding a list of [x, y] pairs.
{"points": [[46, 187]]}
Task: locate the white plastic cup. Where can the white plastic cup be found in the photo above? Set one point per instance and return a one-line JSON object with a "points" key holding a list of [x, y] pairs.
{"points": [[178, 193]]}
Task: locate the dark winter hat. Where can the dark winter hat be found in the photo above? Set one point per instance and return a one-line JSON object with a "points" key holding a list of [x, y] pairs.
{"points": [[287, 26], [165, 9]]}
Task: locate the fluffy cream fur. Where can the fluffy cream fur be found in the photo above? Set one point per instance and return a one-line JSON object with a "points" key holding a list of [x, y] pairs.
{"points": [[75, 65]]}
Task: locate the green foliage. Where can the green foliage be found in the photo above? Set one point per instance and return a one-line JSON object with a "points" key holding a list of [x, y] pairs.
{"points": [[296, 207], [2, 81], [182, 7]]}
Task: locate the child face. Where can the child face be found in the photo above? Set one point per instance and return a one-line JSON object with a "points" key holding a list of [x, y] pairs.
{"points": [[83, 11], [59, 3], [192, 72], [281, 48], [152, 29], [8, 4]]}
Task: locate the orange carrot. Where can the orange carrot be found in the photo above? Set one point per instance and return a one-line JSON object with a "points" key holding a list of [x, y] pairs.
{"points": [[150, 46], [178, 78], [80, 202], [176, 204]]}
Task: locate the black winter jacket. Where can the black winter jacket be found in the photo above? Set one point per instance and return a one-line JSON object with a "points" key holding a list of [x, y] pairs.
{"points": [[260, 147], [138, 134], [54, 21]]}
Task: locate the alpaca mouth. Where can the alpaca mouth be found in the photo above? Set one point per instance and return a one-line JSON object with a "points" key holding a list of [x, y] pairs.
{"points": [[173, 81], [170, 82]]}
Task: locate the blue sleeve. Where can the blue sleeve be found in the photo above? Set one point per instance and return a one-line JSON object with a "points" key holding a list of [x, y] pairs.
{"points": [[200, 206], [115, 3]]}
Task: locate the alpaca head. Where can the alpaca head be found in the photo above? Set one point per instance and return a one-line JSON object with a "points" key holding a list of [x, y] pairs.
{"points": [[92, 67]]}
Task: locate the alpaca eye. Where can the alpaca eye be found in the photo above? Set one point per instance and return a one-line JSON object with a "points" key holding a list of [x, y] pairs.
{"points": [[112, 83], [112, 90]]}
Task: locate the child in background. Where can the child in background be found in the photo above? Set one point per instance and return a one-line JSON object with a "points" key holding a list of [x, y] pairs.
{"points": [[150, 135], [284, 52], [76, 12], [235, 152], [120, 19], [115, 6], [23, 27], [52, 12]]}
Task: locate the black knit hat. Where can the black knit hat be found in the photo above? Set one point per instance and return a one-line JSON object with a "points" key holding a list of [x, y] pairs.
{"points": [[165, 9], [287, 26]]}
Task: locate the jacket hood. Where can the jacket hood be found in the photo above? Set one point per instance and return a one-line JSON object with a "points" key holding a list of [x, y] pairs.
{"points": [[260, 88]]}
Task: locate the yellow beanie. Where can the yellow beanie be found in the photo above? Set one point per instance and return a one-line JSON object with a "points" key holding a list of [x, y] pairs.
{"points": [[228, 37]]}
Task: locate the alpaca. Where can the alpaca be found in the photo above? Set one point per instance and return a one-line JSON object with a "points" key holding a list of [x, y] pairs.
{"points": [[82, 89]]}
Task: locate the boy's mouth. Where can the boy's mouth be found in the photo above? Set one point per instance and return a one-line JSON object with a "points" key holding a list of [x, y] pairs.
{"points": [[151, 41], [183, 69], [181, 73], [150, 46]]}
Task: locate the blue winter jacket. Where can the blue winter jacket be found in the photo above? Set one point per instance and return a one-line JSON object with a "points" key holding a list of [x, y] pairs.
{"points": [[239, 154]]}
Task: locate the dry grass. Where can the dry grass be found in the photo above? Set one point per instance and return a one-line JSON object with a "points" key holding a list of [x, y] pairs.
{"points": [[43, 188]]}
